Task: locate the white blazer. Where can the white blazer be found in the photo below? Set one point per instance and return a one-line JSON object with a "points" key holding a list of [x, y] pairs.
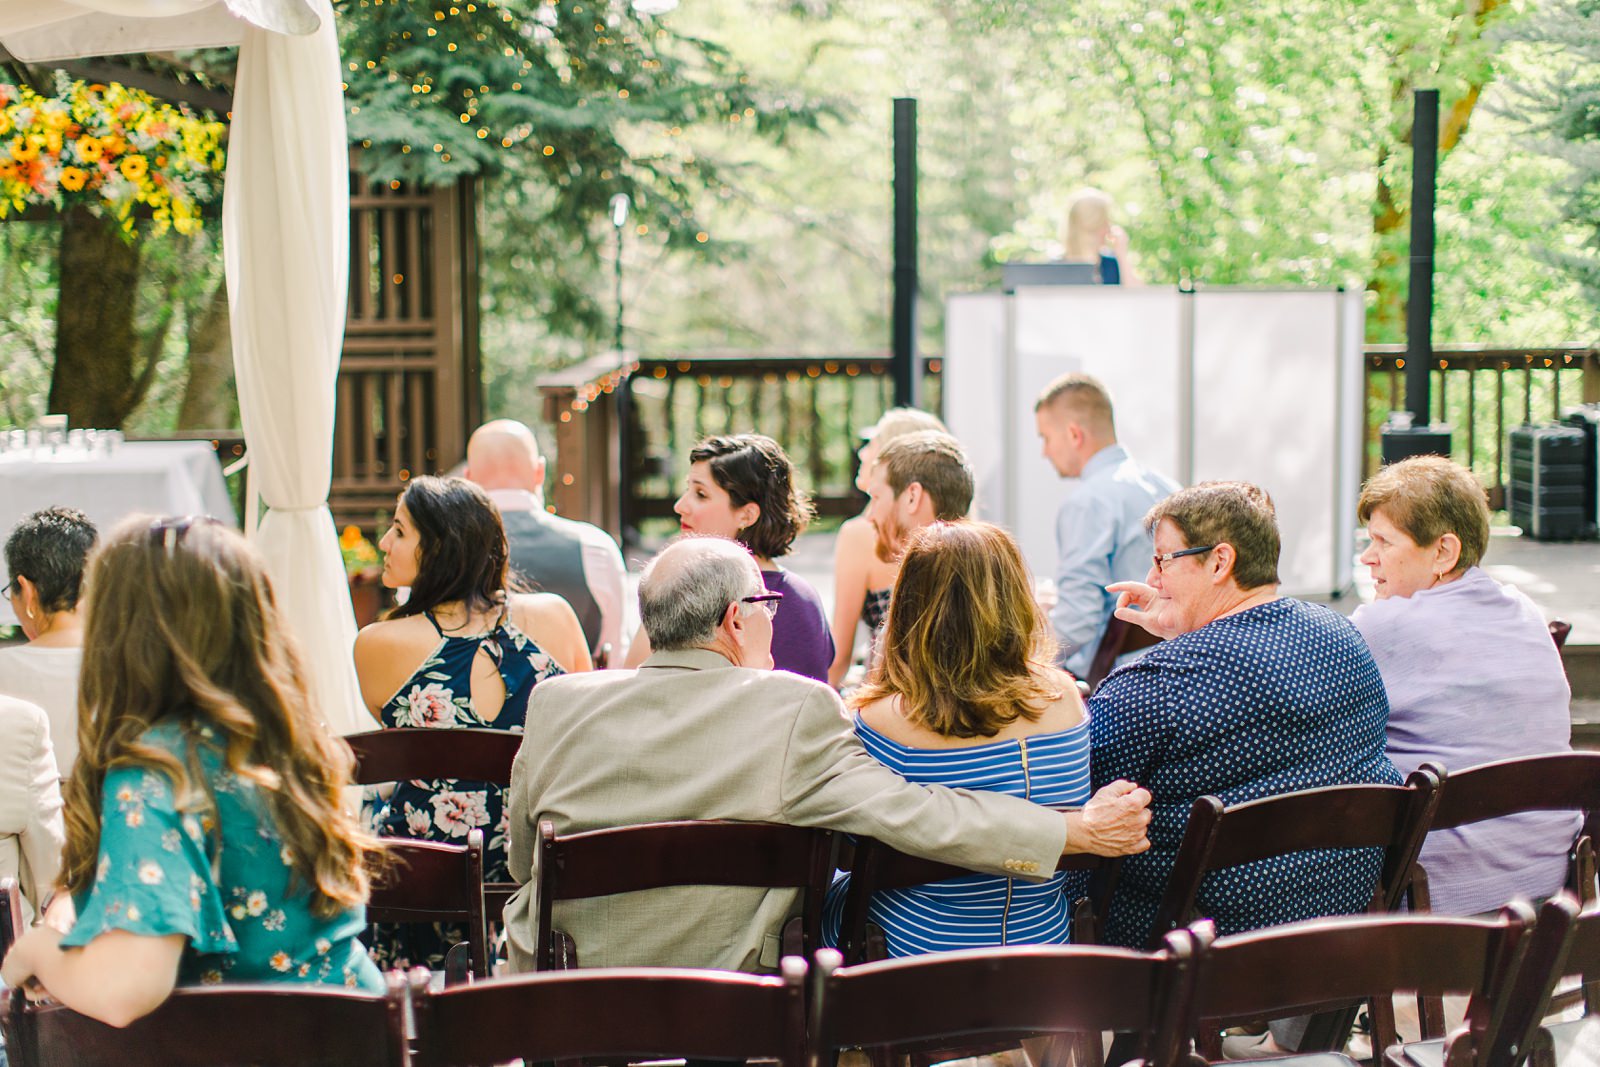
{"points": [[31, 834]]}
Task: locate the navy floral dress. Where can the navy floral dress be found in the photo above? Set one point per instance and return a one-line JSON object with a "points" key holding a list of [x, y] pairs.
{"points": [[439, 696]]}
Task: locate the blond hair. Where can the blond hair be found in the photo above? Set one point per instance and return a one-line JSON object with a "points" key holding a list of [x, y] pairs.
{"points": [[1088, 218]]}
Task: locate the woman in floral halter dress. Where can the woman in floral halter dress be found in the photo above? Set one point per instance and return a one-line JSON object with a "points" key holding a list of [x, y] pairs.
{"points": [[462, 651]]}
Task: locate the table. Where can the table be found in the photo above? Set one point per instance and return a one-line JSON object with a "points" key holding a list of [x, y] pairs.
{"points": [[157, 477]]}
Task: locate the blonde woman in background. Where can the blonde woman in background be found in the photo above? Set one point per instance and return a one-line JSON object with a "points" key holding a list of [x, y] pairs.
{"points": [[861, 579], [1092, 237]]}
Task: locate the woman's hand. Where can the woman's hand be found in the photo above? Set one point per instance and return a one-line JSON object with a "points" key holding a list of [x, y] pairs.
{"points": [[1137, 603], [19, 966]]}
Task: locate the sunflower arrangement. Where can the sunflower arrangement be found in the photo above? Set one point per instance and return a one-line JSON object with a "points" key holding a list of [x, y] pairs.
{"points": [[110, 148]]}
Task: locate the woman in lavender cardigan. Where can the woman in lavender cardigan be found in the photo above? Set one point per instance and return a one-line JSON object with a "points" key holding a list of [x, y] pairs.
{"points": [[1471, 672]]}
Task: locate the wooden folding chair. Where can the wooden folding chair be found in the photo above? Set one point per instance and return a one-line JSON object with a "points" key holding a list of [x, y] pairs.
{"points": [[1328, 964], [431, 881], [1393, 818], [1120, 638], [1508, 1031], [275, 1025], [876, 867], [1567, 781], [1003, 994], [628, 859], [403, 754], [11, 924], [614, 1012]]}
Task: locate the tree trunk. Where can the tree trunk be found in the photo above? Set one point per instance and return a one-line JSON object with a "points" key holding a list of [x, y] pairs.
{"points": [[208, 394], [94, 382]]}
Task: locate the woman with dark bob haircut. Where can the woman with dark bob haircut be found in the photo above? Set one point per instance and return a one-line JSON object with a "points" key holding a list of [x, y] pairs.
{"points": [[742, 487], [462, 651], [966, 695], [45, 557]]}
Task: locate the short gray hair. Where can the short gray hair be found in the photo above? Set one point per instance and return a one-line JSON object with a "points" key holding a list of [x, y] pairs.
{"points": [[686, 588]]}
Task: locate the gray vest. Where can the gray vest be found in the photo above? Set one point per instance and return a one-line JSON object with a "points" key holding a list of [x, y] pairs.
{"points": [[551, 561]]}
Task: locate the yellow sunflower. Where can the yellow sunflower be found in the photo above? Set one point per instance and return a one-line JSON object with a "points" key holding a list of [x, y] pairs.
{"points": [[134, 167], [73, 179], [90, 149]]}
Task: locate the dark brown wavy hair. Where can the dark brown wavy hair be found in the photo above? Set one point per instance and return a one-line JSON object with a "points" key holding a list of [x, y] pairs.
{"points": [[752, 467], [965, 647], [183, 627], [463, 550]]}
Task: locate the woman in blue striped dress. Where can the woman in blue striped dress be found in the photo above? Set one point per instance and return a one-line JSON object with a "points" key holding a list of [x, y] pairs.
{"points": [[965, 695]]}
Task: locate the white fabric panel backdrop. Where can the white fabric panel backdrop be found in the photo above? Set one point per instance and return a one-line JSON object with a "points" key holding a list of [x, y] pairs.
{"points": [[286, 241], [1263, 385]]}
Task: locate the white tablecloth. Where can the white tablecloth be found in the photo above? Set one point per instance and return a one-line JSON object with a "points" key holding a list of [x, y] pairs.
{"points": [[158, 477]]}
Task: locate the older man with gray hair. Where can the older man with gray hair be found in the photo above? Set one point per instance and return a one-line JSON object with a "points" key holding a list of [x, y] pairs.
{"points": [[704, 729]]}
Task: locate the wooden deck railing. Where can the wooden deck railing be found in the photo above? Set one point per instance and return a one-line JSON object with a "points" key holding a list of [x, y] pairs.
{"points": [[624, 425], [1482, 393]]}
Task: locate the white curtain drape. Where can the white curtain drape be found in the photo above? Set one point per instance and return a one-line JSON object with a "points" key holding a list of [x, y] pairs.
{"points": [[285, 220], [39, 31]]}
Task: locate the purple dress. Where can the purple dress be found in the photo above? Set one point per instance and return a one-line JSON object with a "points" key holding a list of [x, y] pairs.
{"points": [[801, 640]]}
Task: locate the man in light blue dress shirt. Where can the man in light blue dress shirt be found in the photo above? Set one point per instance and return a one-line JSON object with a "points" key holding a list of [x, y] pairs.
{"points": [[1100, 532]]}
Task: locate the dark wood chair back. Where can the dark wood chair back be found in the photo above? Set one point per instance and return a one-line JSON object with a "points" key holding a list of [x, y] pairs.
{"points": [[1120, 638], [401, 754], [11, 925], [938, 1000], [1393, 818], [430, 881], [875, 867], [1332, 963], [242, 1025], [1566, 781], [628, 859], [614, 1012], [1559, 631]]}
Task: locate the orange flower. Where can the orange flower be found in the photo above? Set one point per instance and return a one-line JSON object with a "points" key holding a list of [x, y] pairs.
{"points": [[56, 120], [350, 537], [52, 141], [73, 179], [8, 170], [90, 149], [23, 150], [134, 167]]}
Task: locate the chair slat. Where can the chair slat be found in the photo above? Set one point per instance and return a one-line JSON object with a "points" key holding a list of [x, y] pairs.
{"points": [[401, 754]]}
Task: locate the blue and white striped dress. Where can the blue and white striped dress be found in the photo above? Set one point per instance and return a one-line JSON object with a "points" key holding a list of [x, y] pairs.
{"points": [[977, 910]]}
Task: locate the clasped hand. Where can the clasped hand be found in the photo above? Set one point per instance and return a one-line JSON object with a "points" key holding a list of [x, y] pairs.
{"points": [[1116, 819]]}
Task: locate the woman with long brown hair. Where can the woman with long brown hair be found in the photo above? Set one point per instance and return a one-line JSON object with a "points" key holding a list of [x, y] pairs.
{"points": [[965, 694], [462, 651], [207, 836]]}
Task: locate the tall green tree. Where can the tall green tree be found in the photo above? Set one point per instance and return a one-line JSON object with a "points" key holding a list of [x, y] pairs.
{"points": [[561, 105]]}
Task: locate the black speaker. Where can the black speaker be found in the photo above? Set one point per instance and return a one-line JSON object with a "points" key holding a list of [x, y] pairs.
{"points": [[1402, 443]]}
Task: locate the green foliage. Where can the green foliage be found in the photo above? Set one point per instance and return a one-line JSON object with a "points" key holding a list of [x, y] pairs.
{"points": [[1565, 100], [559, 106]]}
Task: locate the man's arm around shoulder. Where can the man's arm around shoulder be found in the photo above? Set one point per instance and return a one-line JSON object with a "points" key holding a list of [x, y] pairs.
{"points": [[830, 780]]}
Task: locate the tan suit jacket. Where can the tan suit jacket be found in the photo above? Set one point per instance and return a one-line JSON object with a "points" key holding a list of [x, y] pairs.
{"points": [[691, 736], [31, 831]]}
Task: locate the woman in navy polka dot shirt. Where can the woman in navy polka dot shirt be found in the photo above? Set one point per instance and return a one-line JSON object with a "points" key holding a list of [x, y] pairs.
{"points": [[1250, 695]]}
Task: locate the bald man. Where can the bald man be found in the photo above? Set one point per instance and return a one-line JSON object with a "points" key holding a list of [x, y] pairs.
{"points": [[706, 729], [576, 561]]}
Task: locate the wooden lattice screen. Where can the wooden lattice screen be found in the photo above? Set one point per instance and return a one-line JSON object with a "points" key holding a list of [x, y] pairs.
{"points": [[409, 389]]}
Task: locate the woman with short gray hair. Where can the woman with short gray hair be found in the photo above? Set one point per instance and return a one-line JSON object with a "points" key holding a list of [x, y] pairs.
{"points": [[1251, 694], [45, 557]]}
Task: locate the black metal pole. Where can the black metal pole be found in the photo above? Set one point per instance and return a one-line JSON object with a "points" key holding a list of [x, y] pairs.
{"points": [[903, 332], [1419, 295]]}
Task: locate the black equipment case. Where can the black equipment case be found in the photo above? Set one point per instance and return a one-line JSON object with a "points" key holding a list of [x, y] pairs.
{"points": [[1545, 495]]}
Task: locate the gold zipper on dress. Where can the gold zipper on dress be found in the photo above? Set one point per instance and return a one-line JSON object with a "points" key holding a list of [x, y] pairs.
{"points": [[1027, 794]]}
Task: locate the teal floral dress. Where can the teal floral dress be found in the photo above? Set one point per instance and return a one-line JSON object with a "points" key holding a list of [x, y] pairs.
{"points": [[439, 697], [216, 872]]}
